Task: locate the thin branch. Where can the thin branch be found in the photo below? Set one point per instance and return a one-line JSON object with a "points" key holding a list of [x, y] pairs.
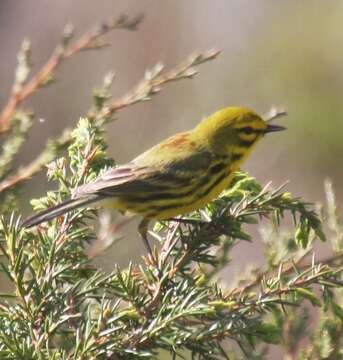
{"points": [[330, 260], [153, 81], [142, 92], [61, 53], [49, 154], [274, 113]]}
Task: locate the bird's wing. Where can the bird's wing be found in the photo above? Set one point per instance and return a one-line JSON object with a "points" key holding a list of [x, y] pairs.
{"points": [[152, 171], [113, 182]]}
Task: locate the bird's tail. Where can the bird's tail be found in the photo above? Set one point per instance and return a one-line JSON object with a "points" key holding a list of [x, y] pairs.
{"points": [[59, 209]]}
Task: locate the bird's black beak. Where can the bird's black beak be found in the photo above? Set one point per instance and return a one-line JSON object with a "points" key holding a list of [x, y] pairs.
{"points": [[273, 128]]}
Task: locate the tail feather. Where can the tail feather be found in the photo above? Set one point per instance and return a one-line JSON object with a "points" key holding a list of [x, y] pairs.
{"points": [[58, 210]]}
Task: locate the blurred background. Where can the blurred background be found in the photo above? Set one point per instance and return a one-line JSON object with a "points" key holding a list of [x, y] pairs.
{"points": [[286, 53]]}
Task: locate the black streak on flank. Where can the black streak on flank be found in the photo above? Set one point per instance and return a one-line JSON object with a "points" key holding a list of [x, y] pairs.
{"points": [[215, 183], [217, 168], [246, 143], [156, 209], [169, 194], [236, 156]]}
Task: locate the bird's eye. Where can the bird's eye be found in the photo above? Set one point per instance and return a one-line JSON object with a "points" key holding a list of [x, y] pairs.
{"points": [[248, 130]]}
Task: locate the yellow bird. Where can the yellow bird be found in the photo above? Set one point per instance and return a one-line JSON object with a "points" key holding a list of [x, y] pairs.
{"points": [[179, 175]]}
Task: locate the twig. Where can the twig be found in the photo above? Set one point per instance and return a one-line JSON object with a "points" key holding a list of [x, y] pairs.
{"points": [[61, 53], [286, 271], [141, 92], [153, 81], [51, 151], [106, 234], [275, 112]]}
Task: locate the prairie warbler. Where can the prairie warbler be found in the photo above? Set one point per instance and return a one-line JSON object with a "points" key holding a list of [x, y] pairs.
{"points": [[180, 174]]}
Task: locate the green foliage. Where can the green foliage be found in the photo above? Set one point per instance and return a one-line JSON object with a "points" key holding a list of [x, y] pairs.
{"points": [[62, 307]]}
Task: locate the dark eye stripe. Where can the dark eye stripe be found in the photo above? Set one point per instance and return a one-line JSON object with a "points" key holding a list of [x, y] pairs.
{"points": [[249, 130]]}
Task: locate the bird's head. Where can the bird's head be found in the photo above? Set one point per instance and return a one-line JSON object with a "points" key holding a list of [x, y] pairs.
{"points": [[234, 129]]}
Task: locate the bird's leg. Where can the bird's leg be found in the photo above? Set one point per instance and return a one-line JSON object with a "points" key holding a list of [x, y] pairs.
{"points": [[143, 232]]}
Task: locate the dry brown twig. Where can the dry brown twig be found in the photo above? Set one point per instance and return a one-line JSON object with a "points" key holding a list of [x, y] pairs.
{"points": [[143, 91], [155, 78], [63, 52], [45, 157], [108, 234]]}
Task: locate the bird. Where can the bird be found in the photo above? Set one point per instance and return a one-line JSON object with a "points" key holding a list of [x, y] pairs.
{"points": [[179, 175]]}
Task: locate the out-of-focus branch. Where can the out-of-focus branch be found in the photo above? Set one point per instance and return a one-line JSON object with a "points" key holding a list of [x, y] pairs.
{"points": [[275, 112], [51, 151], [64, 51], [21, 125], [153, 81], [151, 85], [287, 269]]}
